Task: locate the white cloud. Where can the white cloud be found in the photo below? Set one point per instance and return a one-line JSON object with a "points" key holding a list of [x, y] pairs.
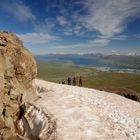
{"points": [[62, 21], [45, 27], [131, 53], [18, 10], [99, 42], [119, 37], [68, 31], [114, 51], [110, 17], [37, 38], [115, 37]]}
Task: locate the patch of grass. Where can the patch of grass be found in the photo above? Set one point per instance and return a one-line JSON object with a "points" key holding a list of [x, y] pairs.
{"points": [[58, 72]]}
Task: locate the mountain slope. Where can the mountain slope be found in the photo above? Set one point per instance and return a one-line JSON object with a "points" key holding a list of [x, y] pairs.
{"points": [[87, 114]]}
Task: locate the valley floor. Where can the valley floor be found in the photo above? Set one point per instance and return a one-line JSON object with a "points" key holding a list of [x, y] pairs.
{"points": [[88, 114]]}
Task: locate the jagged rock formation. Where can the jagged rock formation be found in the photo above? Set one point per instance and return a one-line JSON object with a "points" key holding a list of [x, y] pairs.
{"points": [[17, 71], [39, 125]]}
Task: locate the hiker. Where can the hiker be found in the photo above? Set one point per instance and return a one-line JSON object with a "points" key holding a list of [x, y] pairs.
{"points": [[69, 81], [80, 81], [74, 81]]}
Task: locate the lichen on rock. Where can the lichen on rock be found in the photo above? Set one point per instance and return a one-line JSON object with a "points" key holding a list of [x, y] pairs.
{"points": [[17, 72]]}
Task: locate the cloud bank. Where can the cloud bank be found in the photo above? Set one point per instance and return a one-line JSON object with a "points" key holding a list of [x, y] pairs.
{"points": [[110, 17], [107, 18]]}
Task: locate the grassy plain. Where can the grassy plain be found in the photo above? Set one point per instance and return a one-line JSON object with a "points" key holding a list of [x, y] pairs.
{"points": [[93, 78]]}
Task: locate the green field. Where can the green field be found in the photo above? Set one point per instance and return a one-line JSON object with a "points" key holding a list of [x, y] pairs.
{"points": [[93, 78]]}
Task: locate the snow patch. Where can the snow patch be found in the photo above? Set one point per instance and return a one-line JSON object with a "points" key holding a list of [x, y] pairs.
{"points": [[84, 113]]}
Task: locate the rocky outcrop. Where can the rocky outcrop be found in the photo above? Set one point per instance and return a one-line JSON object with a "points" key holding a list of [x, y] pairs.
{"points": [[39, 125], [17, 71]]}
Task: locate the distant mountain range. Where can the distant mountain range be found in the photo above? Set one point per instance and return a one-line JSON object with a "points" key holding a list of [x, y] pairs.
{"points": [[93, 54], [98, 60]]}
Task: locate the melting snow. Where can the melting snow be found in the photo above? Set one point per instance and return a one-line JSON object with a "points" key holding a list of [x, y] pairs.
{"points": [[88, 114]]}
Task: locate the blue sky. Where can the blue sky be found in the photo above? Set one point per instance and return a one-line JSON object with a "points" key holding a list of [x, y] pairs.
{"points": [[74, 26]]}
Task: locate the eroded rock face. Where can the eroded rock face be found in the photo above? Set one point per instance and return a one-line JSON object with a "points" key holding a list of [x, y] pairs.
{"points": [[17, 71]]}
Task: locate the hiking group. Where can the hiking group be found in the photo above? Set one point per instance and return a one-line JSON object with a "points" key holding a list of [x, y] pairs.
{"points": [[74, 81]]}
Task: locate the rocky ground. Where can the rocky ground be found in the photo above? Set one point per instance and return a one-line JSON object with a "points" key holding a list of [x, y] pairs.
{"points": [[88, 114]]}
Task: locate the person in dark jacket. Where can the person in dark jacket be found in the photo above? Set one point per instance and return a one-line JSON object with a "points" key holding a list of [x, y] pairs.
{"points": [[80, 81], [74, 81], [69, 81]]}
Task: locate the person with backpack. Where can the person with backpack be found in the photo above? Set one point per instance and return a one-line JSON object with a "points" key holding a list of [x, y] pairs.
{"points": [[74, 81], [80, 81], [69, 81]]}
